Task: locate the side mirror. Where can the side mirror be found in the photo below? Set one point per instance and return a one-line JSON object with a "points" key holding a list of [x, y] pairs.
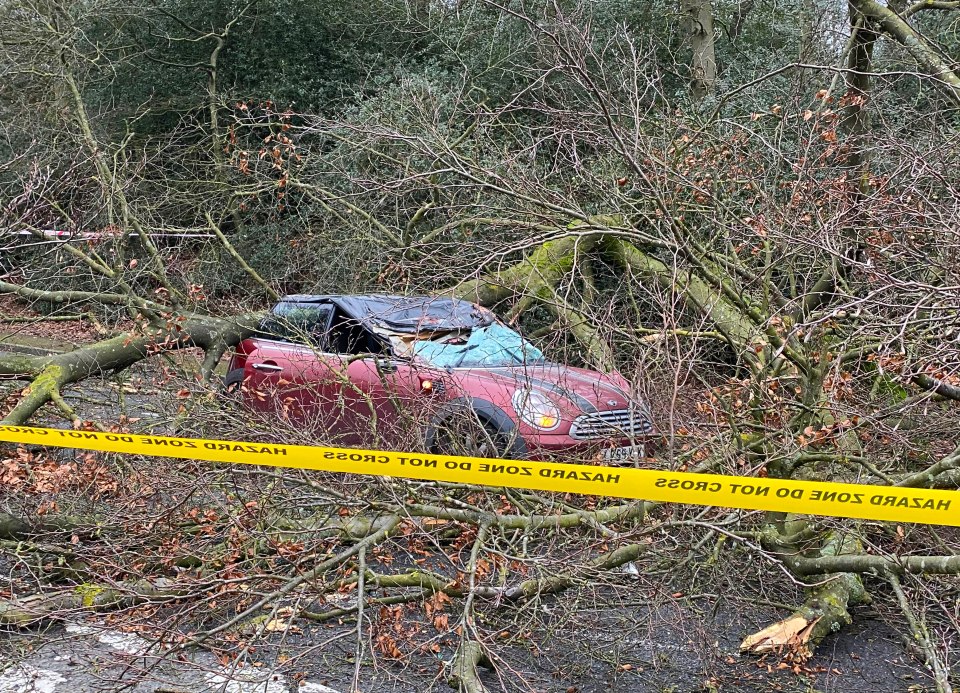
{"points": [[385, 365]]}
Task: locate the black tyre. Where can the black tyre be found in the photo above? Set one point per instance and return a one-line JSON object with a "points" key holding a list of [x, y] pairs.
{"points": [[232, 384], [468, 435]]}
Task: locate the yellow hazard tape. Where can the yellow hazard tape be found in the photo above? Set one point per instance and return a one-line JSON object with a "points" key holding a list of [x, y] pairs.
{"points": [[887, 503]]}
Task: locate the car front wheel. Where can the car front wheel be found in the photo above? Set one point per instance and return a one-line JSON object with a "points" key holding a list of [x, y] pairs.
{"points": [[468, 436]]}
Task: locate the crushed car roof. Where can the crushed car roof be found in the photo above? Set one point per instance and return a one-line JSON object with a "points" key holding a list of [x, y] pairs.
{"points": [[405, 314]]}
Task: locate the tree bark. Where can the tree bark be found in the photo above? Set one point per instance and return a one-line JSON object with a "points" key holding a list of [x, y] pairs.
{"points": [[824, 611], [463, 670], [698, 25], [51, 373], [35, 609], [735, 327], [919, 48]]}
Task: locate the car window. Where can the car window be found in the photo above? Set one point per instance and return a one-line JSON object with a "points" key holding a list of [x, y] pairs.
{"points": [[349, 336], [299, 323]]}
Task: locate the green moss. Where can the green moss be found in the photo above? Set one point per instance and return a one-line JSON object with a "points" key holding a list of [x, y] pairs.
{"points": [[88, 593]]}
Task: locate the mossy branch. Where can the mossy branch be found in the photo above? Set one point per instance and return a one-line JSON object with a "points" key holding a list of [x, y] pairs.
{"points": [[269, 290]]}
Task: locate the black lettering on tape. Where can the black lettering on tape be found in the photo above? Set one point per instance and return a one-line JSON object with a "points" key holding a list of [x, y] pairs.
{"points": [[512, 470], [749, 489], [83, 435], [909, 502], [124, 439], [18, 429], [795, 493], [414, 461], [890, 499]]}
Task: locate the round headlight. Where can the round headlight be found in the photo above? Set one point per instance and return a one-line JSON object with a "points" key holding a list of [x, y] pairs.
{"points": [[536, 409]]}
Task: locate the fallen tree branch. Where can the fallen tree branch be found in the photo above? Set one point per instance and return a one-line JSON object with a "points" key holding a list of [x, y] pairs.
{"points": [[51, 373], [12, 319], [29, 611], [940, 387], [929, 475], [463, 670], [535, 279], [386, 528], [736, 328], [12, 527], [878, 565], [627, 511], [106, 298], [269, 290], [558, 583], [941, 673], [824, 611], [428, 583]]}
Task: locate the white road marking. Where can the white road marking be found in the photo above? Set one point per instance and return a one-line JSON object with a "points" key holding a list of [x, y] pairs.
{"points": [[128, 643], [308, 687], [238, 683], [79, 629], [27, 679], [43, 681]]}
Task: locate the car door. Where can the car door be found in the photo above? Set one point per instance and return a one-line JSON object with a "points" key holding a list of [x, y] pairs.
{"points": [[263, 374], [315, 392], [374, 385], [385, 393], [290, 371]]}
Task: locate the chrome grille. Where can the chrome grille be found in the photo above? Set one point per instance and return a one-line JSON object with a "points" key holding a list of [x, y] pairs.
{"points": [[621, 423]]}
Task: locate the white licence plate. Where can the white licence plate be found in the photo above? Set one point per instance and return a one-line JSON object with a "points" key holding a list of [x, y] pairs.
{"points": [[631, 453]]}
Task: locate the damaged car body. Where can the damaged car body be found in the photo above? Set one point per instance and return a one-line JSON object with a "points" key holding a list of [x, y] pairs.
{"points": [[430, 372]]}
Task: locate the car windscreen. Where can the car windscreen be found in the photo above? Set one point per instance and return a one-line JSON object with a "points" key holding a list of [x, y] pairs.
{"points": [[495, 345]]}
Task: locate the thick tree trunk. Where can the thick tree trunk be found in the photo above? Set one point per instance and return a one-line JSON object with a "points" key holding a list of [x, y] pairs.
{"points": [[698, 25], [534, 280], [736, 328], [49, 374], [35, 609], [824, 611], [926, 56]]}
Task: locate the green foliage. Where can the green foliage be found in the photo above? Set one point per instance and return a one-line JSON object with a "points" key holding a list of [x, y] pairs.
{"points": [[315, 55]]}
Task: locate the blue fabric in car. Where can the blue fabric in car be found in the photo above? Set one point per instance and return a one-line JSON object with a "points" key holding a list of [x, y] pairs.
{"points": [[493, 345]]}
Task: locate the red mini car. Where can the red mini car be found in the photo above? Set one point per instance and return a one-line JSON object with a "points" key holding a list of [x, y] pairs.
{"points": [[434, 373]]}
